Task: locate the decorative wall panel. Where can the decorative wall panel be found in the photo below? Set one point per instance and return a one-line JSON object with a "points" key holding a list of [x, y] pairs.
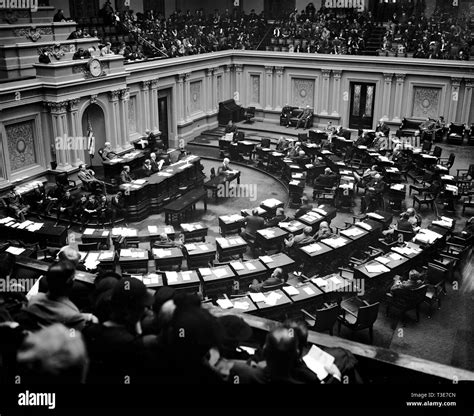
{"points": [[255, 89], [302, 92], [21, 147], [426, 102], [196, 97], [132, 115]]}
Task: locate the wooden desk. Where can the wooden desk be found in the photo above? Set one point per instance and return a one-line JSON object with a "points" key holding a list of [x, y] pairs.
{"points": [[199, 253], [247, 271], [104, 259], [94, 235], [153, 233], [133, 259], [261, 212], [295, 227], [187, 281], [220, 183], [242, 304], [269, 238], [113, 168], [216, 281], [271, 205], [277, 260], [354, 233], [167, 257], [231, 246], [231, 223], [194, 231], [180, 208], [32, 232], [274, 306]]}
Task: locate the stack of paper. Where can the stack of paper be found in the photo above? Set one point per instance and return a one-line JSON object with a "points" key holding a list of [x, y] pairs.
{"points": [[375, 216], [376, 268], [318, 361], [237, 265], [382, 260], [241, 305], [153, 229], [312, 248], [16, 251], [225, 303], [291, 290], [257, 297], [88, 231], [272, 298], [171, 277], [364, 225], [266, 259], [159, 252], [320, 282]]}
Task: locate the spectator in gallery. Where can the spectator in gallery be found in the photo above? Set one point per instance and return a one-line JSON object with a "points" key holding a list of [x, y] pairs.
{"points": [[304, 118], [59, 16], [125, 176], [77, 34], [90, 182], [91, 209], [17, 205], [117, 206], [65, 207]]}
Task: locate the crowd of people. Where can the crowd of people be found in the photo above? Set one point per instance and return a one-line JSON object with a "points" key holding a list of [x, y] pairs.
{"points": [[117, 331], [441, 36], [328, 31]]}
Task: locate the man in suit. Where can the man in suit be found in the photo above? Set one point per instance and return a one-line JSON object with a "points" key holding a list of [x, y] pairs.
{"points": [[155, 164], [374, 192], [382, 128], [89, 210], [91, 183], [117, 206], [276, 278], [304, 118], [225, 167], [65, 207], [53, 196], [323, 232], [231, 127], [16, 204], [147, 169], [300, 240], [107, 153], [125, 176], [402, 288], [79, 206], [253, 223], [103, 209], [279, 217], [304, 208]]}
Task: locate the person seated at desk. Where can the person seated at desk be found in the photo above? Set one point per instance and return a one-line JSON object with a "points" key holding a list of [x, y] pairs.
{"points": [[17, 205], [382, 128], [79, 206], [89, 210], [276, 278], [38, 201], [65, 207], [253, 223], [165, 241], [103, 210], [300, 240], [304, 208], [125, 176], [54, 195], [403, 224], [403, 287], [294, 150], [327, 180], [380, 142], [117, 206], [304, 118], [90, 182], [147, 169], [282, 145], [323, 232], [279, 217], [225, 167], [369, 174], [374, 192], [231, 128], [156, 165], [55, 306], [107, 153], [413, 218]]}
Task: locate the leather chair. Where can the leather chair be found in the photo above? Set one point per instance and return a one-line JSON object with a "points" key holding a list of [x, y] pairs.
{"points": [[411, 301], [364, 318], [456, 133], [409, 127], [324, 319]]}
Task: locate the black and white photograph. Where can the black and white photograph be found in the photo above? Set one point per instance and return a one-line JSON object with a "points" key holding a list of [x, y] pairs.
{"points": [[206, 202]]}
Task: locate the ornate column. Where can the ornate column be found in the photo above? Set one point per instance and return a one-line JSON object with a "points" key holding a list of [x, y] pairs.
{"points": [[180, 99], [187, 95], [453, 106], [215, 103], [226, 81], [279, 88], [467, 102], [387, 91], [325, 91], [145, 100], [209, 103], [336, 91], [60, 129], [238, 82], [124, 143], [115, 123], [268, 87], [77, 154], [397, 110], [154, 121]]}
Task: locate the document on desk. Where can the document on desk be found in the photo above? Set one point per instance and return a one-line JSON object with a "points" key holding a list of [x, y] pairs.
{"points": [[203, 247], [376, 268], [320, 282], [159, 252], [375, 216], [205, 271], [105, 233], [190, 247], [250, 266], [312, 248], [223, 242], [395, 256], [16, 251], [257, 297], [272, 298], [106, 255], [291, 290], [294, 183], [153, 229], [308, 290], [266, 259], [241, 305], [171, 277], [363, 225], [125, 252], [225, 303], [320, 211], [382, 260], [7, 219], [317, 361], [221, 272], [139, 181], [236, 265], [186, 275]]}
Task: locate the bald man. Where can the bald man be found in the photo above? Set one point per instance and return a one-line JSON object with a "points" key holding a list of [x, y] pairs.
{"points": [[107, 153]]}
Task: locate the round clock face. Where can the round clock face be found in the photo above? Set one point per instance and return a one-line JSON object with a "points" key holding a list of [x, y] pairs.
{"points": [[95, 67]]}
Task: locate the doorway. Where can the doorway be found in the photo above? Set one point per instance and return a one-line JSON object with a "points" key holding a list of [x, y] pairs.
{"points": [[362, 105], [94, 116], [163, 119]]}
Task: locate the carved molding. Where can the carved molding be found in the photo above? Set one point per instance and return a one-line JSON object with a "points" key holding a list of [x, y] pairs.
{"points": [[326, 73], [269, 70], [125, 94], [388, 77], [469, 83], [93, 99], [456, 82], [114, 95], [279, 70], [336, 73], [144, 85], [154, 83], [400, 78], [209, 71], [33, 33], [227, 68], [74, 104], [59, 107], [238, 67]]}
